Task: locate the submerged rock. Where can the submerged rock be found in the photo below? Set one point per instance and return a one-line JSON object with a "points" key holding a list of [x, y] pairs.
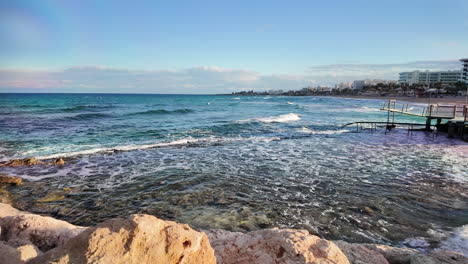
{"points": [[51, 197], [6, 179], [138, 239], [273, 246]]}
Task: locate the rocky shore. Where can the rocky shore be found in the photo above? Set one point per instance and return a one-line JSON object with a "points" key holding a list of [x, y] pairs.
{"points": [[30, 238]]}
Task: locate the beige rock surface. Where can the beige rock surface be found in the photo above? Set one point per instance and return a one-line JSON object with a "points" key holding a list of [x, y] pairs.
{"points": [[359, 254], [8, 210], [273, 246], [139, 239], [44, 232]]}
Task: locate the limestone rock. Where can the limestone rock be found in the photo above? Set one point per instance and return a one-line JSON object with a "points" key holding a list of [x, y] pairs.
{"points": [[8, 210], [10, 179], [138, 239], [273, 246], [359, 254], [21, 162], [44, 232]]}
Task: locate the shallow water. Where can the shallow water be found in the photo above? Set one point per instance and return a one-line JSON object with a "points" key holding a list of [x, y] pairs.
{"points": [[237, 163]]}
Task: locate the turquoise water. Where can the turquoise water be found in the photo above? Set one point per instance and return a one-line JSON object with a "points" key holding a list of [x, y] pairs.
{"points": [[239, 163]]}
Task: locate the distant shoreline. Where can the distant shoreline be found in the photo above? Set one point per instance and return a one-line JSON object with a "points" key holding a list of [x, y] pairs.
{"points": [[420, 100]]}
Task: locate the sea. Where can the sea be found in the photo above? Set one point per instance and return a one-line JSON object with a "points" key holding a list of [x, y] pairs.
{"points": [[239, 163]]}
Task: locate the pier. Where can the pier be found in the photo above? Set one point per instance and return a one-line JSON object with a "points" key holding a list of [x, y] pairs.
{"points": [[451, 118], [455, 115]]}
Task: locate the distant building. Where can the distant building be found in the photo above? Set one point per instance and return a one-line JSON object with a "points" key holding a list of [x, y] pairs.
{"points": [[430, 77], [344, 85], [465, 70], [358, 85]]}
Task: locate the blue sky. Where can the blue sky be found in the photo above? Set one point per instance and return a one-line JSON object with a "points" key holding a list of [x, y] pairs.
{"points": [[215, 46]]}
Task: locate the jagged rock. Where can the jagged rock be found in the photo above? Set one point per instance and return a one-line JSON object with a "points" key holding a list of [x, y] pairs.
{"points": [[21, 162], [273, 246], [138, 239], [6, 179], [359, 254], [44, 232], [58, 162]]}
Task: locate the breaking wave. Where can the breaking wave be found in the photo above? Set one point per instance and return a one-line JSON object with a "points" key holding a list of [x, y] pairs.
{"points": [[277, 119], [176, 143]]}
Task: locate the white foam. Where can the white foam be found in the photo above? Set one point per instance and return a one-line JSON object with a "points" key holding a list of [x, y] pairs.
{"points": [[180, 142], [323, 132], [119, 148], [458, 242], [278, 119], [236, 98]]}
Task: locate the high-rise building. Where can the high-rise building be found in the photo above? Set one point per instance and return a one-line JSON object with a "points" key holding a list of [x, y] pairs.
{"points": [[430, 77], [465, 70]]}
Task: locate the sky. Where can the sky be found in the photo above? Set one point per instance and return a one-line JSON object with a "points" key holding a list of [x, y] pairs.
{"points": [[222, 46]]}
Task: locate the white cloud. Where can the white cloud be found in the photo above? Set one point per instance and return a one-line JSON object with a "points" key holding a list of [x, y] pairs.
{"points": [[203, 79]]}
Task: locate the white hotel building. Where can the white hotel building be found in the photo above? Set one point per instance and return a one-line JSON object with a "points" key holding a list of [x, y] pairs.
{"points": [[465, 70], [428, 77]]}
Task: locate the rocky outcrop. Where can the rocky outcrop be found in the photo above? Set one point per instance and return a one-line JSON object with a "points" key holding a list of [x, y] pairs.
{"points": [[21, 162], [6, 179], [138, 239], [42, 231], [273, 246], [144, 239], [31, 162]]}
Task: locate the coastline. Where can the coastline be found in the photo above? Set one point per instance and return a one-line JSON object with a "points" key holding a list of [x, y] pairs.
{"points": [[31, 238], [419, 100]]}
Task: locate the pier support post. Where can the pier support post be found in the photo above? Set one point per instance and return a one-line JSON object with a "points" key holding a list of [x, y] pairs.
{"points": [[428, 124]]}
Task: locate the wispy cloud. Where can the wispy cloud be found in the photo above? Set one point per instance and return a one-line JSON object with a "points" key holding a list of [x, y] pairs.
{"points": [[204, 79]]}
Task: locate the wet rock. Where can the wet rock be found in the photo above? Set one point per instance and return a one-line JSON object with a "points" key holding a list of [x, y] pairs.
{"points": [[21, 162], [58, 162], [358, 254], [6, 179], [5, 196], [51, 197], [138, 239], [368, 211], [44, 232], [273, 246]]}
